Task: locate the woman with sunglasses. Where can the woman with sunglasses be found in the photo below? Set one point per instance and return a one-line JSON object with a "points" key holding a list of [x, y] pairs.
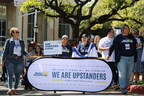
{"points": [[13, 59]]}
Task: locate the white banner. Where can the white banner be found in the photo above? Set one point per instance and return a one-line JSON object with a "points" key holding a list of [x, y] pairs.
{"points": [[89, 75], [52, 47]]}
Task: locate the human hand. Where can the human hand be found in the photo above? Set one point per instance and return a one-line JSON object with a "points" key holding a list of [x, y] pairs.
{"points": [[107, 58]]}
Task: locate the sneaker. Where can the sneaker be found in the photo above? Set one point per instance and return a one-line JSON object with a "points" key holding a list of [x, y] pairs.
{"points": [[124, 91], [15, 92]]}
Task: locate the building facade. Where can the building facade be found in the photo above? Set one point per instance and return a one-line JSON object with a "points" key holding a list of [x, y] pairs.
{"points": [[48, 29]]}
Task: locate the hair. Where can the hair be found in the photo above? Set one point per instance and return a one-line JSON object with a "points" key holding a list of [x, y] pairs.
{"points": [[136, 31], [40, 50], [122, 29], [30, 45], [109, 30], [13, 29]]}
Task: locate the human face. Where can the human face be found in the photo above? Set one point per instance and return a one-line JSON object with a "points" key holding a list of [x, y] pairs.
{"points": [[30, 48], [111, 34], [64, 41], [15, 34], [97, 39], [134, 34], [38, 49], [126, 30], [84, 39]]}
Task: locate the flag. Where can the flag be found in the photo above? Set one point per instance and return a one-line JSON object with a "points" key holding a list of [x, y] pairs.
{"points": [[142, 58], [75, 53], [92, 52]]}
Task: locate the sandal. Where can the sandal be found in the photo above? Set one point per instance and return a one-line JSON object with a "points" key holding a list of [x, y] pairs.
{"points": [[10, 93]]}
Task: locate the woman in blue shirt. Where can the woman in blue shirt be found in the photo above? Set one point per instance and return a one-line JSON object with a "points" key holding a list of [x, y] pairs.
{"points": [[13, 58]]}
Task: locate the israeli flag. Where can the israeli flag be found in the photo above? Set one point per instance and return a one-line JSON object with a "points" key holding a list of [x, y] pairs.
{"points": [[142, 58], [92, 52], [75, 53]]}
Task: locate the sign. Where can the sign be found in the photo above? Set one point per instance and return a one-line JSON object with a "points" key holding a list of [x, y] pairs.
{"points": [[88, 75], [52, 47], [18, 2]]}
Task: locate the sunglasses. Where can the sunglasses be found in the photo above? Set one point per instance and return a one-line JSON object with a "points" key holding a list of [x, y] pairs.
{"points": [[16, 32]]}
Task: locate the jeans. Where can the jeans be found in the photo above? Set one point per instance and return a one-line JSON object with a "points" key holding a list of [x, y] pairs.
{"points": [[14, 66], [125, 67]]}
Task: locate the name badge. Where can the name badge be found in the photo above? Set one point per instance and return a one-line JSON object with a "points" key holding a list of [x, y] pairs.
{"points": [[127, 46]]}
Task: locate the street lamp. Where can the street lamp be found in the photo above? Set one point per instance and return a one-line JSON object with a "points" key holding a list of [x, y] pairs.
{"points": [[35, 33]]}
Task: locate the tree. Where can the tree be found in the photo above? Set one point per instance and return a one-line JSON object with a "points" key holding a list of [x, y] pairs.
{"points": [[135, 16], [76, 12]]}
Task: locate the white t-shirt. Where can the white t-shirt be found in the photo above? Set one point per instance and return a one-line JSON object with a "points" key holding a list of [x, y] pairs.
{"points": [[107, 42], [17, 48], [139, 42]]}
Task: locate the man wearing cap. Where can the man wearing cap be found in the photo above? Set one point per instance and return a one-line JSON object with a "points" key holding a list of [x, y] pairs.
{"points": [[84, 45], [66, 48]]}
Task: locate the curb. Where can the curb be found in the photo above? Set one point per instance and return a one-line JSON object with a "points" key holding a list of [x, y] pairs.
{"points": [[136, 89]]}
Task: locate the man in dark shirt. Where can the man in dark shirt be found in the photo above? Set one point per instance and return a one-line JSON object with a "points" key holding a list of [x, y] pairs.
{"points": [[84, 45], [124, 46]]}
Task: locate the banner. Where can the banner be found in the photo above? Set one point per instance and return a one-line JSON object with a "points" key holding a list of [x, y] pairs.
{"points": [[52, 47], [87, 75]]}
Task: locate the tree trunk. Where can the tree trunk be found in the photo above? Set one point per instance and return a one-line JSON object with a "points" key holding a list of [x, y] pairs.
{"points": [[75, 31]]}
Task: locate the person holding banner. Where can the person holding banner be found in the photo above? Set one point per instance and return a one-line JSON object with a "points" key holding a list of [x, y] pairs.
{"points": [[84, 45], [138, 65], [124, 46], [30, 52], [66, 48], [13, 58], [104, 46]]}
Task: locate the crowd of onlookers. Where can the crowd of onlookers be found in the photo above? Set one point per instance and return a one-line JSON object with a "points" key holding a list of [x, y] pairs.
{"points": [[122, 53]]}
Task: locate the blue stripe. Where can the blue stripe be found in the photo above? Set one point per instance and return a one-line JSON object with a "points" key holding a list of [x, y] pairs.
{"points": [[74, 50]]}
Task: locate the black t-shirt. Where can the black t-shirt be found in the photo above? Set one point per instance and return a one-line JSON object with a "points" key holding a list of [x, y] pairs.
{"points": [[66, 51], [127, 46]]}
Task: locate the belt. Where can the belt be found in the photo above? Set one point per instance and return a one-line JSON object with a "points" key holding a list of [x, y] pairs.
{"points": [[13, 57]]}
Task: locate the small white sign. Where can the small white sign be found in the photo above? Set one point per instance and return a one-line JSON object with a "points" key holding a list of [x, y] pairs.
{"points": [[18, 2], [52, 47]]}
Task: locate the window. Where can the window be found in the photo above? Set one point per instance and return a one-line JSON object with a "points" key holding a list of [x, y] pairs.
{"points": [[64, 28], [30, 34], [3, 25]]}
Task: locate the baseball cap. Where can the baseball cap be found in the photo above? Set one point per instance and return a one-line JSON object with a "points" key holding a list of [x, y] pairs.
{"points": [[64, 36], [84, 35]]}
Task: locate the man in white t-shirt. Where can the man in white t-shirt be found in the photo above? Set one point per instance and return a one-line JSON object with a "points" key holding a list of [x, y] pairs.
{"points": [[104, 46]]}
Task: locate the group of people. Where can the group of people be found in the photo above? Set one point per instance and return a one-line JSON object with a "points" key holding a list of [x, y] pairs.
{"points": [[122, 53]]}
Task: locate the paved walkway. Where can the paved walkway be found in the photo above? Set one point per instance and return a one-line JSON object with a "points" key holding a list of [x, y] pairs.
{"points": [[108, 92]]}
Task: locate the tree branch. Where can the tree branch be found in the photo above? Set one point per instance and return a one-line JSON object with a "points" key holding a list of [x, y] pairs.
{"points": [[90, 11], [131, 4]]}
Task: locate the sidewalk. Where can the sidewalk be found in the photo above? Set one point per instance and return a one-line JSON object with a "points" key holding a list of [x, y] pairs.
{"points": [[108, 92]]}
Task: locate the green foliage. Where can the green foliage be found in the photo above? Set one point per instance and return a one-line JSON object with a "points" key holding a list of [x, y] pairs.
{"points": [[136, 12], [102, 8]]}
